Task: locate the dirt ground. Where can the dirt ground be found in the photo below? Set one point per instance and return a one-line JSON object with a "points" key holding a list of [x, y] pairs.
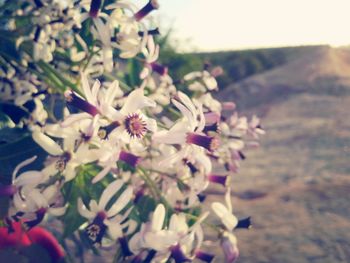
{"points": [[296, 186]]}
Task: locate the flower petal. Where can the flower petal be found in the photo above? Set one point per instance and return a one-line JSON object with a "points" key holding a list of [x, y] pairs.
{"points": [[47, 143], [122, 201], [107, 194], [84, 211]]}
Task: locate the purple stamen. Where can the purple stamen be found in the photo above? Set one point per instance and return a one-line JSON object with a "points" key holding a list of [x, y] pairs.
{"points": [[178, 255], [94, 8], [106, 130], [97, 229], [150, 32], [160, 69], [208, 142], [201, 197], [212, 128], [124, 246], [129, 158], [138, 195], [190, 165], [40, 214], [204, 256], [148, 8], [218, 179], [241, 155], [150, 256], [244, 223], [80, 103]]}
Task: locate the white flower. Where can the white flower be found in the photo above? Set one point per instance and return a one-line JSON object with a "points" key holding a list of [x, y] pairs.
{"points": [[37, 203], [65, 159], [188, 131], [229, 220], [22, 184], [229, 247], [103, 220], [201, 76], [152, 231]]}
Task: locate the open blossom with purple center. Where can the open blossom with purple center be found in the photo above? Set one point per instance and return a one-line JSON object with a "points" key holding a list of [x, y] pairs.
{"points": [[179, 241], [22, 183], [100, 105], [38, 203], [188, 130], [104, 221], [67, 158]]}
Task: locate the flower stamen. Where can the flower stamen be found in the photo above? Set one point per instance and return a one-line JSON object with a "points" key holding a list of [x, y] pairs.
{"points": [[135, 125], [208, 142]]}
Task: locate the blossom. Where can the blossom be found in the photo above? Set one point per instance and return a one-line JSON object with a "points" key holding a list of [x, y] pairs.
{"points": [[99, 104], [229, 247], [189, 129], [37, 203], [153, 230], [229, 220], [103, 220], [64, 159], [27, 180]]}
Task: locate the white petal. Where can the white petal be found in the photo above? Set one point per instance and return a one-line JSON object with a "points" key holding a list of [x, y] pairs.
{"points": [[185, 111], [160, 240], [22, 164], [136, 101], [86, 88], [47, 143], [122, 201], [29, 178], [229, 220], [69, 172], [74, 118], [84, 211], [187, 102], [112, 91], [94, 91], [108, 193], [37, 198], [57, 211], [158, 218], [114, 229], [101, 174]]}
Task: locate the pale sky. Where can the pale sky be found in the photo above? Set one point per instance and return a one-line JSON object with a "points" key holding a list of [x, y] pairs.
{"points": [[238, 24]]}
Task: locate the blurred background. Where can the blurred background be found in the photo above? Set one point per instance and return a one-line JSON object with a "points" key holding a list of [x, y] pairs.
{"points": [[288, 62]]}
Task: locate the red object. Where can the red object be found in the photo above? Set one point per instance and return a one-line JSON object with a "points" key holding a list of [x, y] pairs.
{"points": [[37, 235]]}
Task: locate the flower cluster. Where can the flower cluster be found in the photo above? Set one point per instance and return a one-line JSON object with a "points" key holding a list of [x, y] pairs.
{"points": [[130, 152]]}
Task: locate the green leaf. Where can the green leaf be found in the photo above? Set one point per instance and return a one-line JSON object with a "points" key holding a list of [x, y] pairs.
{"points": [[80, 187], [144, 207], [17, 147], [132, 78], [14, 112], [8, 45]]}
